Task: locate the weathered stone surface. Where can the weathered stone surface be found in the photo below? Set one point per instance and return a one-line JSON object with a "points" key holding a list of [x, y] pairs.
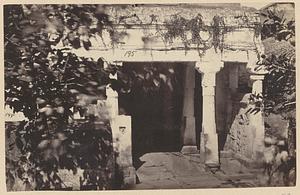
{"points": [[174, 171], [121, 130], [241, 135], [189, 149], [233, 13]]}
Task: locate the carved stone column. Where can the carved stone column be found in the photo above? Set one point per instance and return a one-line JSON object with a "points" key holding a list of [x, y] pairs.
{"points": [[209, 132], [208, 67]]}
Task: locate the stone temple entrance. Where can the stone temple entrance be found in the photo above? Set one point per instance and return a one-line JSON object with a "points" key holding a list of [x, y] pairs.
{"points": [[162, 107]]}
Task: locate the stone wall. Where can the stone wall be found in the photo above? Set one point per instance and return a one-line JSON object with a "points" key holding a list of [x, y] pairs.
{"points": [[241, 136], [237, 132]]}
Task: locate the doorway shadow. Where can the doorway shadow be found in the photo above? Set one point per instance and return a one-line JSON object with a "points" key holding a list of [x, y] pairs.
{"points": [[155, 109]]}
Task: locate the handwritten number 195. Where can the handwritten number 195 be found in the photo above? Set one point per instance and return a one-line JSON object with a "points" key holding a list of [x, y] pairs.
{"points": [[129, 53]]}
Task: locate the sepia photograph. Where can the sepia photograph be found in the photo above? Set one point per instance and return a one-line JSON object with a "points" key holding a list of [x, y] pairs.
{"points": [[149, 96]]}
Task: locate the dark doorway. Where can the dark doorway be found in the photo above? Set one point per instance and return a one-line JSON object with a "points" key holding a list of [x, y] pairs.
{"points": [[155, 104]]}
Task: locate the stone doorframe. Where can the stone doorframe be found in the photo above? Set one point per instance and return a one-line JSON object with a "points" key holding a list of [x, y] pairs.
{"points": [[208, 65]]}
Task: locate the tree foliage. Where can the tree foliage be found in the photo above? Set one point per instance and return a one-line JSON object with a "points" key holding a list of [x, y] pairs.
{"points": [[280, 82], [278, 35], [277, 26], [47, 84]]}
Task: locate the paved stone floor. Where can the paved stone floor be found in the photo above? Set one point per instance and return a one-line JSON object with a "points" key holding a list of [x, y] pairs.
{"points": [[174, 170]]}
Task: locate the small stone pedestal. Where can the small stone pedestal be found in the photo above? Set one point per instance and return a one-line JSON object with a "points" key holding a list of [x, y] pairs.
{"points": [[121, 130]]}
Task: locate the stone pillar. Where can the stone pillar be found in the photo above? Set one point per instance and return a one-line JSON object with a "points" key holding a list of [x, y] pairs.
{"points": [[257, 120], [121, 134], [189, 128], [209, 132]]}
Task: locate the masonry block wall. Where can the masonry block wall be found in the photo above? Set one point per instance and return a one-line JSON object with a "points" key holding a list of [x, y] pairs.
{"points": [[240, 131]]}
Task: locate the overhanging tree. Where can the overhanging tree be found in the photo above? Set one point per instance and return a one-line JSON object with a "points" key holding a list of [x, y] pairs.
{"points": [[47, 83], [278, 35]]}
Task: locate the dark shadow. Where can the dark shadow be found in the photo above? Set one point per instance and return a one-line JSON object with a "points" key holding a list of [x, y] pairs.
{"points": [[198, 107], [156, 111]]}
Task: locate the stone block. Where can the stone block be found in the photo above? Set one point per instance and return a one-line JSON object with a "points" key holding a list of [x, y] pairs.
{"points": [[189, 150], [121, 130], [129, 177]]}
